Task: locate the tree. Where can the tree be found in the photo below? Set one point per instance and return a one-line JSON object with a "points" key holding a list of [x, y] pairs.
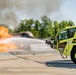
{"points": [[55, 29], [25, 25], [36, 28], [45, 29], [70, 23]]}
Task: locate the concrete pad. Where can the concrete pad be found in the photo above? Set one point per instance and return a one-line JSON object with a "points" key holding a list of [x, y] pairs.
{"points": [[38, 64]]}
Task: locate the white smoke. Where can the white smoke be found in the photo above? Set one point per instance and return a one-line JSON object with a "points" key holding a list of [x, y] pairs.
{"points": [[12, 11]]}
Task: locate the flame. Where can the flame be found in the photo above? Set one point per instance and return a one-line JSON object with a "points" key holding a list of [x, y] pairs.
{"points": [[4, 33], [5, 47]]}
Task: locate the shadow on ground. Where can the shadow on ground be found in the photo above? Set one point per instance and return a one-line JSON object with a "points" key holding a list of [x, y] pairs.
{"points": [[61, 64]]}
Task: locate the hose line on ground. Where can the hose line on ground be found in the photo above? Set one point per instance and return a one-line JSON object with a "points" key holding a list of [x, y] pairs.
{"points": [[24, 58]]}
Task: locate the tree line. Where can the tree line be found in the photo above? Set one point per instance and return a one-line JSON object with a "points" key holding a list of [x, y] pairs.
{"points": [[43, 28]]}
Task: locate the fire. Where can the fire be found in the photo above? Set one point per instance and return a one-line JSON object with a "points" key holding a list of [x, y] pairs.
{"points": [[5, 47], [4, 33]]}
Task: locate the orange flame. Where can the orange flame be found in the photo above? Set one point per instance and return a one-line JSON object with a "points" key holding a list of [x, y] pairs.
{"points": [[4, 35]]}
